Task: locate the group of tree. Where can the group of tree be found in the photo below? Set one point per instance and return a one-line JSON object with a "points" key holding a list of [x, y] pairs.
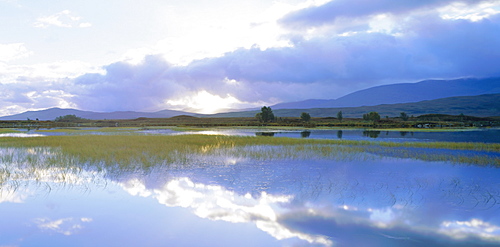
{"points": [[305, 117], [374, 116], [371, 116], [265, 115], [68, 118]]}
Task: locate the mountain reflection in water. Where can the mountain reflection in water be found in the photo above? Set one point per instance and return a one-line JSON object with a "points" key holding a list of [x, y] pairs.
{"points": [[245, 202]]}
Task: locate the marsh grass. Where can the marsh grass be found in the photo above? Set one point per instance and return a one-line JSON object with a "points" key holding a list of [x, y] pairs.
{"points": [[43, 169], [88, 129], [8, 130], [151, 150]]}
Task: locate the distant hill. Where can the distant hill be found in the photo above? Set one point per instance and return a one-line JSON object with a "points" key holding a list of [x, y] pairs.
{"points": [[403, 93], [480, 106], [52, 113]]}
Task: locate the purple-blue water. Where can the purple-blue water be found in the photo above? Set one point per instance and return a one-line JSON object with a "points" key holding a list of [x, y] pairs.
{"points": [[465, 135], [238, 201]]}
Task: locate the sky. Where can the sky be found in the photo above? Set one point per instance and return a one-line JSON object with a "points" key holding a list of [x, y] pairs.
{"points": [[209, 56]]}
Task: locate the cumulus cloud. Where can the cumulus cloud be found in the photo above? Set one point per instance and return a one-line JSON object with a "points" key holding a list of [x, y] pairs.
{"points": [[35, 94], [328, 64], [217, 203], [430, 47], [126, 87], [321, 67], [333, 10]]}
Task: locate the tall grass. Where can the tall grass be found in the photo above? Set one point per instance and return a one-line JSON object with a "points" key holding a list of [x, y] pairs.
{"points": [[151, 150]]}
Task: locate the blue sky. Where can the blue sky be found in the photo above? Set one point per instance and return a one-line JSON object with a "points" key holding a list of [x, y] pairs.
{"points": [[207, 56]]}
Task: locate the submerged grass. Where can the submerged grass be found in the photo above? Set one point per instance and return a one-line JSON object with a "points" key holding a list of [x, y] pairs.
{"points": [[152, 150]]}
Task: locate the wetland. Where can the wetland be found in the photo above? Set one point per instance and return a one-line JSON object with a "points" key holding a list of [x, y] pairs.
{"points": [[240, 187]]}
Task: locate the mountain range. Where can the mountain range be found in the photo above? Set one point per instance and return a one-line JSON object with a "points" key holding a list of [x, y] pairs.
{"points": [[470, 96], [403, 93], [53, 113], [486, 105]]}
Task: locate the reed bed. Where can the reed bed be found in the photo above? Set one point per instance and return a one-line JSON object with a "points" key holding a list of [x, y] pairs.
{"points": [[152, 150]]}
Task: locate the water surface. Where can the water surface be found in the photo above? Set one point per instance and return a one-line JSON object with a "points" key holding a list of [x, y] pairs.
{"points": [[465, 135], [486, 135], [234, 200]]}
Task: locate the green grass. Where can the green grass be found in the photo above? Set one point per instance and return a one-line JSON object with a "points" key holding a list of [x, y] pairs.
{"points": [[86, 130], [181, 149], [8, 130]]}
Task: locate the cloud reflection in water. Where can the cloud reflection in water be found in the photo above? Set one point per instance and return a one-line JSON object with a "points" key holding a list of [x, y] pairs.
{"points": [[216, 203], [282, 218], [65, 226], [318, 201]]}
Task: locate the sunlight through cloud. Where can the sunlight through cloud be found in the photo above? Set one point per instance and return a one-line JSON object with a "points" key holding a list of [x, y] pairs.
{"points": [[13, 51], [205, 102]]}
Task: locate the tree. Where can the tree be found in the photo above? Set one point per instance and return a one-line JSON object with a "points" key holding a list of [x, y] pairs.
{"points": [[305, 117], [403, 116], [68, 118], [371, 116], [259, 116], [461, 117], [266, 115], [339, 116]]}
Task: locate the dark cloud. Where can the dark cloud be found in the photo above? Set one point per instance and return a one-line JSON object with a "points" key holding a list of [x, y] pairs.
{"points": [[329, 66], [125, 86], [430, 47], [331, 11], [323, 64]]}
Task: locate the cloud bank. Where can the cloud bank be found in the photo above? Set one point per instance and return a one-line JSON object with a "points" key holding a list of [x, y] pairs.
{"points": [[335, 48]]}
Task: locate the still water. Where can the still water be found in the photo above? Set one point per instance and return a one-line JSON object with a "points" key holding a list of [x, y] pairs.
{"points": [[468, 135], [232, 200], [486, 135], [376, 199]]}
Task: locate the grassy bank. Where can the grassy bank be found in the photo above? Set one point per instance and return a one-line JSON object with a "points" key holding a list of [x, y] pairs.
{"points": [[429, 121], [153, 150]]}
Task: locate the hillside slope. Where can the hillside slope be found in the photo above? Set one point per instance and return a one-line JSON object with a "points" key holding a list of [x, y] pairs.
{"points": [[403, 93], [52, 113], [480, 106]]}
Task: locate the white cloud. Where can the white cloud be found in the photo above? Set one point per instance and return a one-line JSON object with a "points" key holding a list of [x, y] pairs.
{"points": [[13, 51], [473, 227], [464, 11], [11, 73], [242, 56], [13, 195], [216, 203], [62, 19], [214, 33], [204, 102], [65, 226]]}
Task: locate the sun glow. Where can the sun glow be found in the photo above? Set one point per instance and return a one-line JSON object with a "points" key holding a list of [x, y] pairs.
{"points": [[205, 102]]}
